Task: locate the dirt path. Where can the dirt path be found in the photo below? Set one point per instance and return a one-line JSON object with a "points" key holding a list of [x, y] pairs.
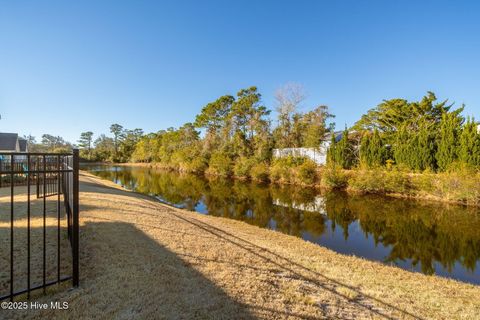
{"points": [[141, 259]]}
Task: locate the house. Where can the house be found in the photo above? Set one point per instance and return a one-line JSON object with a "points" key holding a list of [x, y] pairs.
{"points": [[318, 155], [11, 142]]}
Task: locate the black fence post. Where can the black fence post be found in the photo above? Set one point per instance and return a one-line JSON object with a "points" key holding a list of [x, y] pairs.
{"points": [[75, 216], [12, 192]]}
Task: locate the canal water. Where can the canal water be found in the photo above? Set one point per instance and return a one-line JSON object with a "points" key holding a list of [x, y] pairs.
{"points": [[424, 237]]}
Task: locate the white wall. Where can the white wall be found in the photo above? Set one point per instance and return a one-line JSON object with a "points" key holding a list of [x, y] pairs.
{"points": [[318, 155]]}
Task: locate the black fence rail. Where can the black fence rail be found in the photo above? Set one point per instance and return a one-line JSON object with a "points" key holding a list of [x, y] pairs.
{"points": [[20, 164], [36, 262]]}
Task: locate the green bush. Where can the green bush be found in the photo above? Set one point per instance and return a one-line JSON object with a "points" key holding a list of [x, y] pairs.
{"points": [[242, 167], [197, 165], [284, 170], [332, 178], [279, 173], [260, 172], [220, 164], [367, 181], [307, 172], [380, 181], [397, 182]]}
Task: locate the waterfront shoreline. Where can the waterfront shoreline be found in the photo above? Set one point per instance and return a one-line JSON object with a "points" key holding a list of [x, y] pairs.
{"points": [[419, 196]]}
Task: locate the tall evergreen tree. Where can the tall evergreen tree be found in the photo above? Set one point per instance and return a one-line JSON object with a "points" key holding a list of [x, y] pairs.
{"points": [[401, 147], [425, 149], [365, 150], [450, 126], [469, 148], [344, 152], [332, 151], [377, 151]]}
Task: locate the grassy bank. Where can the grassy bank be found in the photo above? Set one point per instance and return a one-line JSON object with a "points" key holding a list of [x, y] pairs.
{"points": [[461, 187], [143, 259]]}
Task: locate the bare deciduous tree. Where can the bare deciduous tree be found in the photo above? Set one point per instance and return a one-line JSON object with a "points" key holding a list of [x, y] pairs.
{"points": [[289, 98]]}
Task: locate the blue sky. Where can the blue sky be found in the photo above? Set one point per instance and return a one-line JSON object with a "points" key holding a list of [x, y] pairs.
{"points": [[73, 66]]}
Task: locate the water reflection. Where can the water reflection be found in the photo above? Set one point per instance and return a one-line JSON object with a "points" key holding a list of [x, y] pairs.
{"points": [[430, 238]]}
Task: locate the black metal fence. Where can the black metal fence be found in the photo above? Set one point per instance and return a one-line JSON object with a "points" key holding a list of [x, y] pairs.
{"points": [[53, 178]]}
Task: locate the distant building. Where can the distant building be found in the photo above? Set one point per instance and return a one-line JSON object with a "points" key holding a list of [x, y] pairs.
{"points": [[318, 155], [11, 142]]}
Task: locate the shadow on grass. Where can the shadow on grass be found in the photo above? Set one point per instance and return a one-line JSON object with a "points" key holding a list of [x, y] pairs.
{"points": [[58, 257], [131, 274], [284, 264], [297, 269], [280, 262], [124, 274]]}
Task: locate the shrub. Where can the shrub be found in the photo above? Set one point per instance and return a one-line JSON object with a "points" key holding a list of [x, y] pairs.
{"points": [[283, 169], [242, 167], [197, 165], [307, 172], [423, 183], [380, 181], [220, 164], [332, 178], [367, 181], [260, 172], [397, 182], [462, 186], [279, 173]]}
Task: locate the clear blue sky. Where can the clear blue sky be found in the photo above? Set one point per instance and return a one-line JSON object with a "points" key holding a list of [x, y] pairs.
{"points": [[72, 66]]}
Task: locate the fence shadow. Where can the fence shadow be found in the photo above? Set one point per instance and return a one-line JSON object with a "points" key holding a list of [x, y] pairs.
{"points": [[126, 274], [300, 271]]}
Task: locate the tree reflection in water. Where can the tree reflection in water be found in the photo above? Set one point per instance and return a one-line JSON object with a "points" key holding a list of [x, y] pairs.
{"points": [[421, 236]]}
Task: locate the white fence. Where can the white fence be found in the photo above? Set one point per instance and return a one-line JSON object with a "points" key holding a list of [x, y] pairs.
{"points": [[318, 155]]}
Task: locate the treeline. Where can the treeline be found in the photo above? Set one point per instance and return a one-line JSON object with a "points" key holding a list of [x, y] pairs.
{"points": [[118, 148], [238, 138], [230, 136], [48, 143], [235, 136], [416, 136]]}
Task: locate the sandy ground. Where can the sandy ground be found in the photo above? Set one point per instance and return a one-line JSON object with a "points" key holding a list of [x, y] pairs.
{"points": [[144, 260]]}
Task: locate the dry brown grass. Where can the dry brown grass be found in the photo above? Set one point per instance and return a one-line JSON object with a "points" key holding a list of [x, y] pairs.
{"points": [[141, 259]]}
